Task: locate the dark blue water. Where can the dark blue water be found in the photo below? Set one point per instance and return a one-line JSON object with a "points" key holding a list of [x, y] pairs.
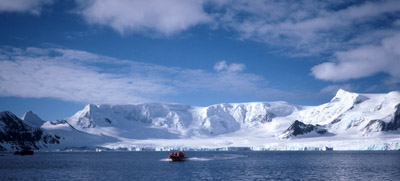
{"points": [[203, 166]]}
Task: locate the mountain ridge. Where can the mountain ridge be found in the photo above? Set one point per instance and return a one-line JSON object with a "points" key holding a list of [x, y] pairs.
{"points": [[341, 123], [17, 135]]}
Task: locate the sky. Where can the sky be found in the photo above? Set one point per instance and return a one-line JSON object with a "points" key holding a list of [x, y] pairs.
{"points": [[58, 56]]}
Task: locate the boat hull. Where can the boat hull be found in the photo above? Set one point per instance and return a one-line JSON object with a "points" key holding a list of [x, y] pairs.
{"points": [[24, 152], [177, 158]]}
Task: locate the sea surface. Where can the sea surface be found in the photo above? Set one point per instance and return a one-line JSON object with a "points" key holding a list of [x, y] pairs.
{"points": [[366, 165]]}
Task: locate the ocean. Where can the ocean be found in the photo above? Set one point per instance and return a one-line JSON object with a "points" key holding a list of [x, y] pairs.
{"points": [[245, 165]]}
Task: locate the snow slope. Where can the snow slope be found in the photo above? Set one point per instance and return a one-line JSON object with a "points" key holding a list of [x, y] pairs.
{"points": [[73, 138], [350, 121], [174, 121]]}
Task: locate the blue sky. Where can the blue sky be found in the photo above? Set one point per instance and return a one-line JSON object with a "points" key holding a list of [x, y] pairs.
{"points": [[57, 56]]}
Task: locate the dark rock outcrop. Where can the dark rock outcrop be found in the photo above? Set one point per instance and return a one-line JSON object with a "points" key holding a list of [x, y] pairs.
{"points": [[375, 126], [268, 118], [379, 125], [299, 128], [20, 136], [396, 119]]}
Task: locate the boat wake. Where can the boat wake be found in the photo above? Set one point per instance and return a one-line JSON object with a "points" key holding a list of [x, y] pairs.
{"points": [[214, 157], [166, 160], [198, 159]]}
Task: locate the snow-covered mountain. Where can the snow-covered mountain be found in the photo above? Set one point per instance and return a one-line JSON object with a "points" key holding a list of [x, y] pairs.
{"points": [[15, 134], [157, 120], [360, 114], [349, 121]]}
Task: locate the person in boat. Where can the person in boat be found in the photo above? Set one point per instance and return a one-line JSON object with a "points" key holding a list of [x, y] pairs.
{"points": [[181, 154]]}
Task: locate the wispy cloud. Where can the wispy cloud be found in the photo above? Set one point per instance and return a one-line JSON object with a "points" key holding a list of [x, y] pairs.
{"points": [[310, 27], [70, 75], [358, 39], [81, 76], [154, 17], [23, 6], [352, 33], [355, 39]]}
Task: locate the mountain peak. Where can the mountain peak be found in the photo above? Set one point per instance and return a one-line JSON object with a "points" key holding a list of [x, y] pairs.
{"points": [[349, 97], [90, 107], [342, 92], [32, 119], [17, 135]]}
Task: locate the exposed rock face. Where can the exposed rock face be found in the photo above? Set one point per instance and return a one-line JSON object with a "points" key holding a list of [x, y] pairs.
{"points": [[396, 118], [380, 125], [375, 126], [16, 135], [299, 128]]}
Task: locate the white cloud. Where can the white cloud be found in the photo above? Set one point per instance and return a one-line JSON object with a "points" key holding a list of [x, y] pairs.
{"points": [[154, 16], [361, 35], [80, 76], [363, 62], [347, 30], [306, 27], [30, 6], [223, 66], [71, 75]]}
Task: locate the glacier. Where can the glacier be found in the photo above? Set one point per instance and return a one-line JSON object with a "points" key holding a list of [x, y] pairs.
{"points": [[349, 121]]}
